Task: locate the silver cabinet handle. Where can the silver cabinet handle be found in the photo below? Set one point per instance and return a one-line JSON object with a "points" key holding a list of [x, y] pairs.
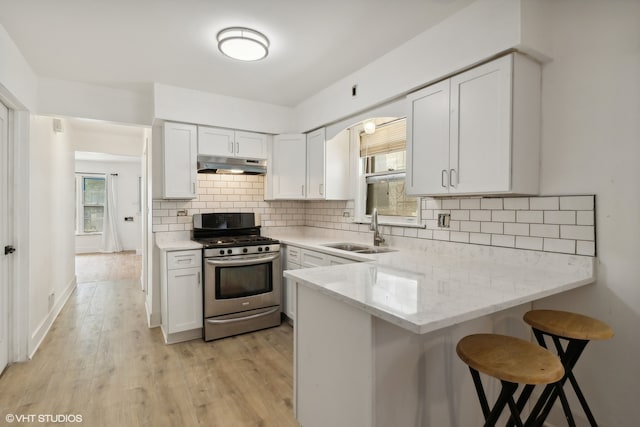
{"points": [[193, 187], [442, 178], [198, 279], [302, 190], [320, 188], [452, 171], [231, 147], [237, 148]]}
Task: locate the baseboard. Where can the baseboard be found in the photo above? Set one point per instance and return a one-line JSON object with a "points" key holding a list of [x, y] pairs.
{"points": [[153, 319], [43, 329], [181, 336]]}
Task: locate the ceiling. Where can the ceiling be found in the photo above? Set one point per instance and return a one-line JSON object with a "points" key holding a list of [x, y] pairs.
{"points": [[132, 43]]}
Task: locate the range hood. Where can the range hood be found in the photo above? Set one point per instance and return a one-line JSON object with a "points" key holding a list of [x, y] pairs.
{"points": [[231, 165]]}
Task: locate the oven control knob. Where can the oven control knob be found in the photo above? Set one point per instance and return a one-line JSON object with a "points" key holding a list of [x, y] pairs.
{"points": [[266, 248], [259, 248], [245, 250], [221, 251], [229, 251]]}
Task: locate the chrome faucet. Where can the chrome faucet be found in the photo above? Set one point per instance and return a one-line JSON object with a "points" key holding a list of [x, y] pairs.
{"points": [[375, 227]]}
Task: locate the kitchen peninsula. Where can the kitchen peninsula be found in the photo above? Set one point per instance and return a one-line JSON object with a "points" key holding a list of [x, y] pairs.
{"points": [[375, 341]]}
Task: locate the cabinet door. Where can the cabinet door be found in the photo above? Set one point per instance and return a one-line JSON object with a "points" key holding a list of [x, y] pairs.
{"points": [[184, 299], [215, 141], [180, 161], [428, 141], [289, 294], [480, 149], [251, 145], [289, 166], [337, 174], [316, 164]]}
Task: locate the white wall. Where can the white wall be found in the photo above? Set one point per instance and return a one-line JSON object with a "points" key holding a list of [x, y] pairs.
{"points": [[18, 83], [192, 106], [479, 31], [74, 99], [591, 144], [51, 219], [108, 139], [127, 204]]}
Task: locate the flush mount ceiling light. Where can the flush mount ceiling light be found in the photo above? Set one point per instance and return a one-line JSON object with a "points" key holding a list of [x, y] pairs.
{"points": [[369, 127], [243, 44]]}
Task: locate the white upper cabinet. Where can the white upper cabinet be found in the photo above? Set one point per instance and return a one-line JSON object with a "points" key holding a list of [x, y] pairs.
{"points": [[230, 143], [179, 155], [477, 132], [310, 167], [288, 166]]}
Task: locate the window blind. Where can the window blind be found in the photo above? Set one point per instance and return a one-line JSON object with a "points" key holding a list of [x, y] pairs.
{"points": [[388, 138]]}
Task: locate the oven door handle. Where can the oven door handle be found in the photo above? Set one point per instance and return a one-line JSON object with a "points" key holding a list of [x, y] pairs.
{"points": [[229, 262], [240, 319]]}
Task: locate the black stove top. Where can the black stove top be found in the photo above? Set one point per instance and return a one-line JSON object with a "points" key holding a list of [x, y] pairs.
{"points": [[227, 230], [233, 241]]}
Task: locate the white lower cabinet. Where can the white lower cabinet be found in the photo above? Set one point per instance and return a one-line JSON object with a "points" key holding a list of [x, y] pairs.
{"points": [[296, 258], [181, 304]]}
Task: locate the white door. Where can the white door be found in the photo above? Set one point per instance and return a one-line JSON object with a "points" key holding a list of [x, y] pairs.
{"points": [[428, 141], [180, 161], [480, 156], [289, 166], [316, 164], [4, 260], [215, 141], [251, 145], [185, 299]]}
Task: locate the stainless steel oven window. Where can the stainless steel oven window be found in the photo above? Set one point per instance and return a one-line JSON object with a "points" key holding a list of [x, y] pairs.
{"points": [[243, 281]]}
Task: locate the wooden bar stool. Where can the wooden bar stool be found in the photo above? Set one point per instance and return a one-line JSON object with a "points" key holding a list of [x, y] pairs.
{"points": [[577, 330], [511, 360]]}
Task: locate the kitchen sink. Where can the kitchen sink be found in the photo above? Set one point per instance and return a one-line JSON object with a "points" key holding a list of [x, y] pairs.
{"points": [[351, 247], [375, 250], [358, 248]]}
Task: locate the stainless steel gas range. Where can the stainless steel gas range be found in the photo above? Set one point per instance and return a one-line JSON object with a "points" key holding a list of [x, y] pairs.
{"points": [[242, 274]]}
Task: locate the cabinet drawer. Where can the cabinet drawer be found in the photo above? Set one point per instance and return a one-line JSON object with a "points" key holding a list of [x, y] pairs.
{"points": [[183, 259], [292, 266], [313, 259], [293, 254]]}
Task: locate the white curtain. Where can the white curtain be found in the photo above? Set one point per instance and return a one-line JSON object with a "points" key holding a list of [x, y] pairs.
{"points": [[110, 240]]}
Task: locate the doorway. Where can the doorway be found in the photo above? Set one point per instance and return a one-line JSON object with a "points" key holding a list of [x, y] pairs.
{"points": [[109, 197], [4, 236]]}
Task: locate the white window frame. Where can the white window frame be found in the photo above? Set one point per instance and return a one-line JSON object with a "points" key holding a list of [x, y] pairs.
{"points": [[360, 215], [80, 202]]}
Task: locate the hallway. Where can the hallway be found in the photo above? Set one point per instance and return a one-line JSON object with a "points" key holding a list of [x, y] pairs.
{"points": [[101, 361]]}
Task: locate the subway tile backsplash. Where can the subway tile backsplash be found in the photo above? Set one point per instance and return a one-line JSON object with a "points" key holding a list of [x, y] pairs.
{"points": [[564, 224]]}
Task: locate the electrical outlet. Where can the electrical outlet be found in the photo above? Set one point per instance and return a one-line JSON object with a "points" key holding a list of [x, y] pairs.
{"points": [[444, 220], [346, 214]]}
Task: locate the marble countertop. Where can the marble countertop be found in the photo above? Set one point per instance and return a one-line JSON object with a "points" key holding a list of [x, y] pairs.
{"points": [[426, 290], [178, 241]]}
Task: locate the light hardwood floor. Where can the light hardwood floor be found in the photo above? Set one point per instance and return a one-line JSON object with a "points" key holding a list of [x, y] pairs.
{"points": [[101, 361]]}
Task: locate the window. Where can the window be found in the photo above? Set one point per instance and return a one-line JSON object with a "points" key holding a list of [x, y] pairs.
{"points": [[382, 164], [90, 195]]}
